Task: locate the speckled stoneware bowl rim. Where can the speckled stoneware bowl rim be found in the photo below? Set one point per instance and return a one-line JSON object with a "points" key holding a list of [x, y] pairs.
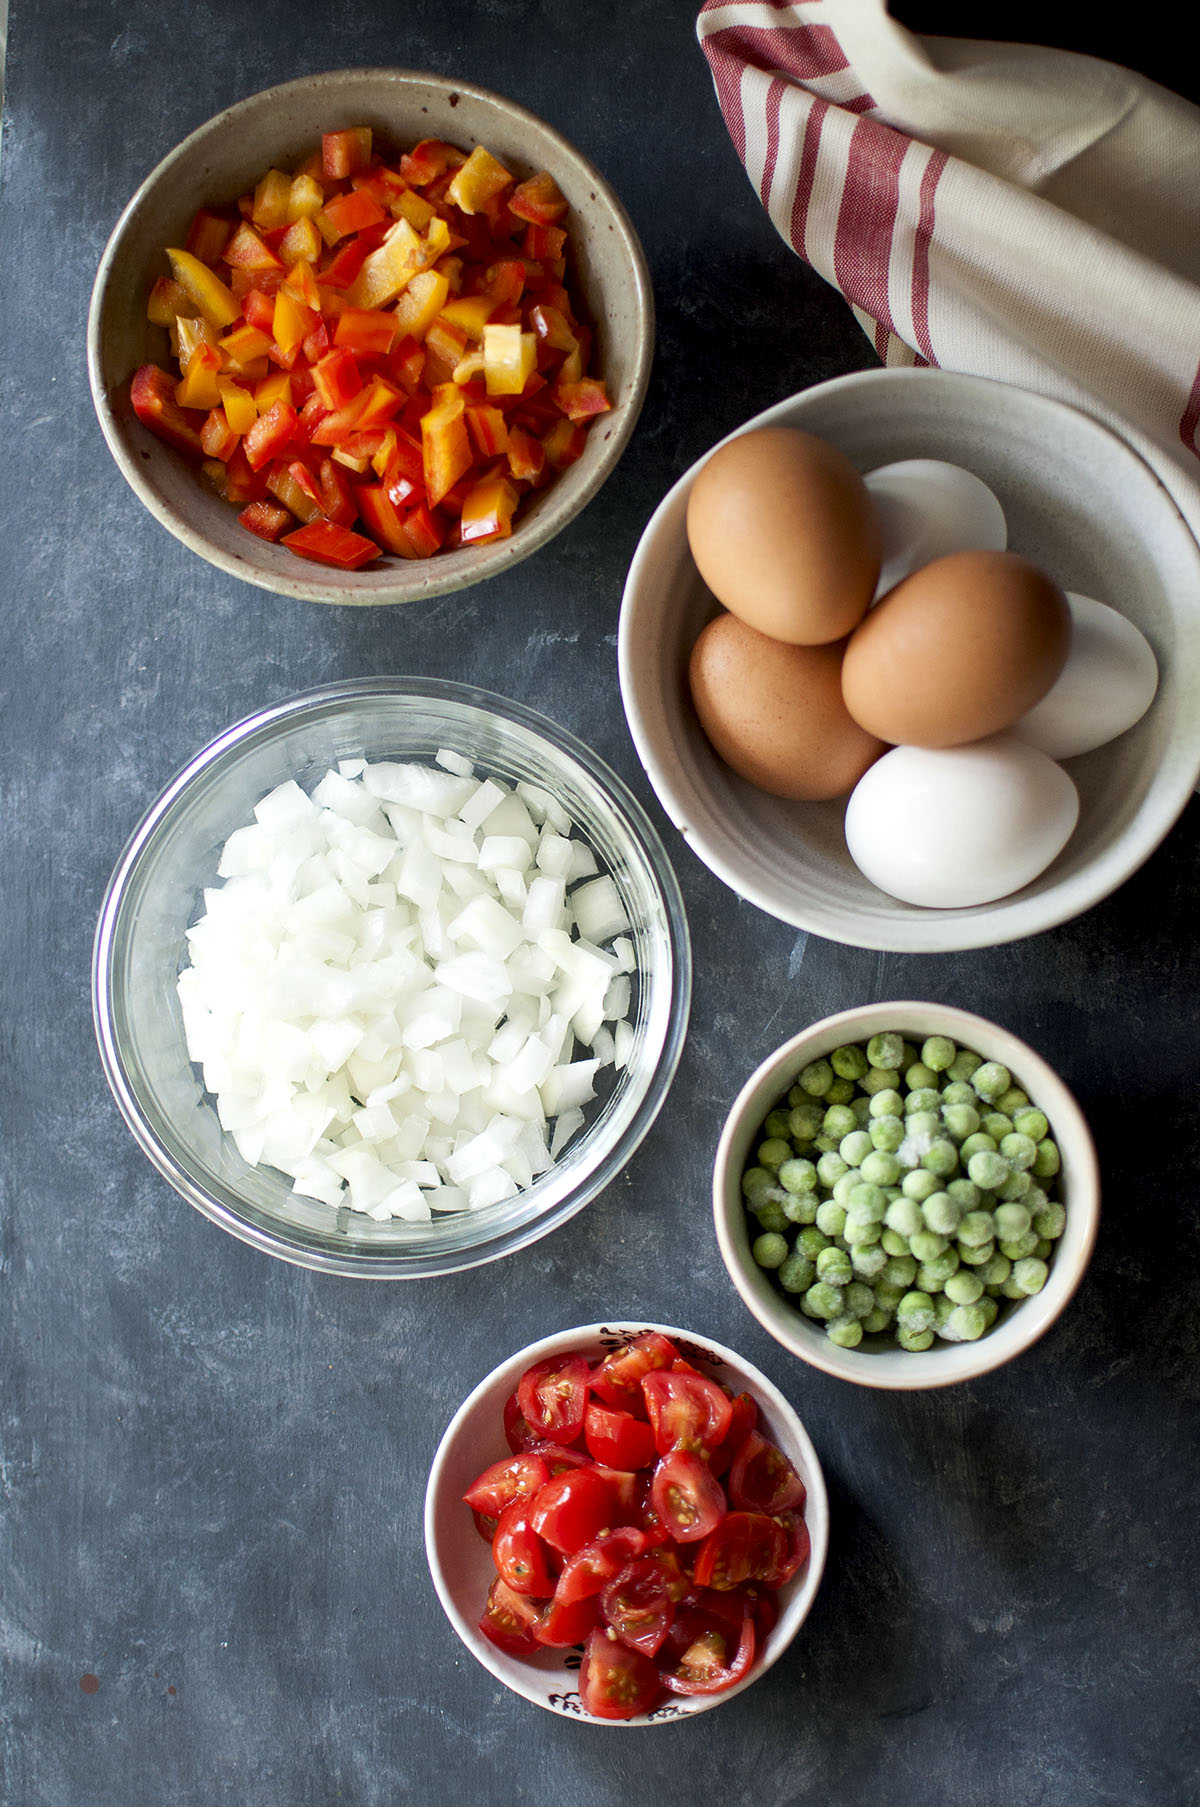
{"points": [[474, 1437], [945, 1364], [335, 95], [721, 828]]}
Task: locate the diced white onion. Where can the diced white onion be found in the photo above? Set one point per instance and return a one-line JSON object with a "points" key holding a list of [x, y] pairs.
{"points": [[406, 985]]}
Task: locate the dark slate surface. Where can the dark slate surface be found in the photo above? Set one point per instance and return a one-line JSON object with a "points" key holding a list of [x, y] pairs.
{"points": [[212, 1464]]}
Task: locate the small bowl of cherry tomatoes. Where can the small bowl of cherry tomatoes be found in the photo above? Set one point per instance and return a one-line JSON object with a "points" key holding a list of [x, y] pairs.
{"points": [[626, 1523], [370, 335]]}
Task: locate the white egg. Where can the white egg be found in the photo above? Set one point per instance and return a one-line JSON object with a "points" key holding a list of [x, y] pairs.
{"points": [[927, 508], [1107, 684], [950, 827]]}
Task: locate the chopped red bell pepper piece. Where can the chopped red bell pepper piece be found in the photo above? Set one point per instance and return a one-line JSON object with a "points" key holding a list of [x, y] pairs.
{"points": [[329, 543]]}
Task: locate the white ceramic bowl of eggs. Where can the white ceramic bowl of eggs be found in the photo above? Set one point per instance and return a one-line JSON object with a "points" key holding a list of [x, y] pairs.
{"points": [[1008, 599]]}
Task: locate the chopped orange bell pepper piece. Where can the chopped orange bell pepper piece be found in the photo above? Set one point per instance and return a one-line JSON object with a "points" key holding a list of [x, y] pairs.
{"points": [[209, 293], [445, 446], [480, 177]]}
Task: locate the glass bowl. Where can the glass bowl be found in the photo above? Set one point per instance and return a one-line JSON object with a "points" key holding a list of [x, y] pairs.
{"points": [[155, 894]]}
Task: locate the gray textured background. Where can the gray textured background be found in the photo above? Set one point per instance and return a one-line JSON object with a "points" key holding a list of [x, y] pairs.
{"points": [[212, 1465]]}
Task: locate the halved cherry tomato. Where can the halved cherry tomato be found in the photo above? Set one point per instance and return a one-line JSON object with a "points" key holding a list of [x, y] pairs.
{"points": [[562, 1624], [686, 1496], [521, 1558], [618, 1379], [762, 1479], [685, 1410], [706, 1666], [637, 1605], [743, 1418], [514, 1477], [616, 1437], [552, 1395], [596, 1563], [508, 1619], [615, 1681], [517, 1434], [572, 1509], [744, 1546]]}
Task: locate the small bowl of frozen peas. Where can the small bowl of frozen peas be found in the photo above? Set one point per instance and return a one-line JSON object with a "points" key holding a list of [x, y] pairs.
{"points": [[906, 1195]]}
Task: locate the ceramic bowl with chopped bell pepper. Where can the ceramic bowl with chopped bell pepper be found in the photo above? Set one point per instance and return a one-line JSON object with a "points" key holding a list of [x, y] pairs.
{"points": [[370, 336]]}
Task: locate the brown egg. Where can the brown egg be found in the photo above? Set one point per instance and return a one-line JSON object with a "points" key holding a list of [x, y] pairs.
{"points": [[784, 533], [775, 712], [957, 651]]}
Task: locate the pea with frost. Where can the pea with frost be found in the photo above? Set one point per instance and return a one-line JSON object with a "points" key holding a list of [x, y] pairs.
{"points": [[905, 1190]]}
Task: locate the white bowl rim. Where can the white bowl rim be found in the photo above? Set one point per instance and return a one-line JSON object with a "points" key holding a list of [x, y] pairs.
{"points": [[816, 1510], [1008, 919], [945, 1364], [442, 574]]}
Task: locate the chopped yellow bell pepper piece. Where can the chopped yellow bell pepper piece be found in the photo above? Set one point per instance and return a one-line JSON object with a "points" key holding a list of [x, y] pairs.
{"points": [[421, 303], [470, 312], [241, 409], [291, 323], [306, 197], [274, 388], [445, 446], [214, 300], [271, 200], [509, 359], [478, 179]]}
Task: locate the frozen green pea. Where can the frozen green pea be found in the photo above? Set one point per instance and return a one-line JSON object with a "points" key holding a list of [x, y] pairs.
{"points": [[990, 1310], [995, 1270], [1018, 1247], [920, 1078], [892, 1242], [849, 1062], [885, 1049], [887, 1103], [757, 1183], [879, 1079], [770, 1250], [880, 1168], [933, 1275], [773, 1152], [844, 1186], [855, 1147], [976, 1228], [965, 1063], [816, 1078], [938, 1052], [904, 1215], [940, 1158], [1044, 1249], [988, 1170], [1011, 1221], [991, 1080], [927, 1245], [876, 1321], [1012, 1101], [900, 1271], [857, 1299], [887, 1134], [976, 1254], [924, 1124], [915, 1340], [916, 1311], [887, 1296], [1050, 1219], [965, 1324], [840, 1092], [919, 1185], [811, 1240], [833, 1266], [859, 1232], [996, 1125], [800, 1207], [1048, 1160], [965, 1193], [839, 1121], [868, 1259], [797, 1273], [824, 1300], [959, 1121], [1031, 1122], [861, 1106], [942, 1307], [822, 1145], [941, 1214], [847, 1333], [797, 1174], [804, 1121], [830, 1168], [925, 1099], [867, 1201], [963, 1286], [831, 1217], [957, 1091], [777, 1124], [771, 1216], [976, 1143]]}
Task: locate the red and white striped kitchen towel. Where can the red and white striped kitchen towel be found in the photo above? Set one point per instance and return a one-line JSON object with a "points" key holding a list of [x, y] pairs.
{"points": [[1025, 214]]}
